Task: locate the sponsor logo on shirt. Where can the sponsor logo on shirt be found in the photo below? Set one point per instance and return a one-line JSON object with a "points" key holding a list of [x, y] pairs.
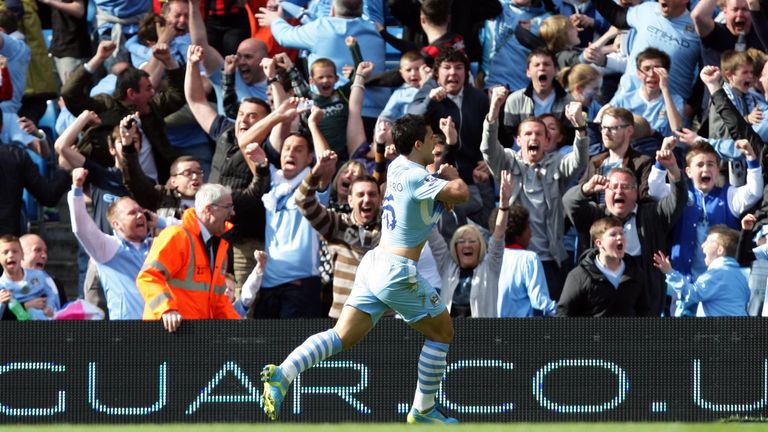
{"points": [[668, 38], [333, 110]]}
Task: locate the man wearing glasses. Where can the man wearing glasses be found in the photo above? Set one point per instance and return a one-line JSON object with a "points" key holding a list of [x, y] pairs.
{"points": [[170, 199], [653, 100], [617, 127], [183, 275], [646, 222]]}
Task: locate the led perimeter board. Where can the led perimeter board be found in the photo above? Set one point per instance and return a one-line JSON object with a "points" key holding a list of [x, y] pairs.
{"points": [[499, 370]]}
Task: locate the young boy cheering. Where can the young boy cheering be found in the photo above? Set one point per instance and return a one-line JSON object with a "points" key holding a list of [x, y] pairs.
{"points": [[720, 291], [604, 283]]}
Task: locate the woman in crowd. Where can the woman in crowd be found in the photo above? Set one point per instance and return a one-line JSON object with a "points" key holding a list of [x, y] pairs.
{"points": [[470, 268]]}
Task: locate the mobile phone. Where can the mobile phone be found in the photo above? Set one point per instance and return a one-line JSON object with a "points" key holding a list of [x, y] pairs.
{"points": [[305, 105]]}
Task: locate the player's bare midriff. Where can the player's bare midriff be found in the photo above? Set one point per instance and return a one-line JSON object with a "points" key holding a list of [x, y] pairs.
{"points": [[412, 253]]}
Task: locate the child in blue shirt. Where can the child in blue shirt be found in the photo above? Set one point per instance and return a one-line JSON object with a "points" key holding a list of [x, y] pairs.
{"points": [[653, 99], [397, 105], [32, 288], [722, 290]]}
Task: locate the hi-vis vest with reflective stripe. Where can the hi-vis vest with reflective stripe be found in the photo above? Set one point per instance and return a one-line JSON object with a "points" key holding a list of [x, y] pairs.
{"points": [[189, 283], [191, 287]]}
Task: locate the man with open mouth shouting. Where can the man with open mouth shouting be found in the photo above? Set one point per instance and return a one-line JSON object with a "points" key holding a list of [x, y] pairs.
{"points": [[541, 96], [540, 179], [647, 223], [716, 38]]}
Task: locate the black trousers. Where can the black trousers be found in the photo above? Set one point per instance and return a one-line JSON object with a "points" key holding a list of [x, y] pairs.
{"points": [[297, 299], [555, 274]]}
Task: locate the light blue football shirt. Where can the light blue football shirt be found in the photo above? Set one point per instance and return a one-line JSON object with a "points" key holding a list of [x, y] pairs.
{"points": [[409, 210]]}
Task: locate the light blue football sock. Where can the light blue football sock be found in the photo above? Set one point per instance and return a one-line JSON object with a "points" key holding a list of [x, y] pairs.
{"points": [[315, 349], [431, 370]]}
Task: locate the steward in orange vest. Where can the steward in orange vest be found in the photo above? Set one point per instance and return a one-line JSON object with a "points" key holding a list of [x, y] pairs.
{"points": [[177, 276]]}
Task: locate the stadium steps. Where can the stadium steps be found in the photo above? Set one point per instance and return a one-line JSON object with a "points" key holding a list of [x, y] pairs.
{"points": [[62, 250]]}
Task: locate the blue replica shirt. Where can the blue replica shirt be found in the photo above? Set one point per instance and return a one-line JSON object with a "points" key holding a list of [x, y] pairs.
{"points": [[118, 277], [118, 263], [372, 9], [654, 111], [122, 9], [676, 37], [503, 56], [243, 90], [721, 291], [324, 37], [762, 127], [140, 54], [409, 209], [292, 243], [36, 283], [18, 56], [397, 105], [12, 132], [522, 286]]}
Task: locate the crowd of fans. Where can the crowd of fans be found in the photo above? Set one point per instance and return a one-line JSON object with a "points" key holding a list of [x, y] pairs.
{"points": [[614, 153]]}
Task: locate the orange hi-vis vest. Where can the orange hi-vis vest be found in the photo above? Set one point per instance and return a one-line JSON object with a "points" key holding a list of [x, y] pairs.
{"points": [[177, 275]]}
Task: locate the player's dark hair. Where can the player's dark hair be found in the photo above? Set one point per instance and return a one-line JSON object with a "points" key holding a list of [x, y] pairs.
{"points": [[407, 130]]}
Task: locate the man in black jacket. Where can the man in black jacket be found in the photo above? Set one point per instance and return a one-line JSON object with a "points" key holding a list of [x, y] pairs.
{"points": [[134, 94], [647, 223], [450, 94], [18, 172]]}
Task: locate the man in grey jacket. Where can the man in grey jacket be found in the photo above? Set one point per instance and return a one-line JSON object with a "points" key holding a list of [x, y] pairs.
{"points": [[539, 179]]}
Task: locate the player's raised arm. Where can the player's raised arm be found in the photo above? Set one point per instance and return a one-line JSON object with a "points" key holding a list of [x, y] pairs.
{"points": [[456, 191]]}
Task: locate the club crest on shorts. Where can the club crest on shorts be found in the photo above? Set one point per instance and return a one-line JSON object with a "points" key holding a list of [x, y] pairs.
{"points": [[434, 299]]}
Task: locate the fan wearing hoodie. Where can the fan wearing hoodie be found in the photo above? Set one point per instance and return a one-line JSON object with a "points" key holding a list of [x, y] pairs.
{"points": [[542, 95]]}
